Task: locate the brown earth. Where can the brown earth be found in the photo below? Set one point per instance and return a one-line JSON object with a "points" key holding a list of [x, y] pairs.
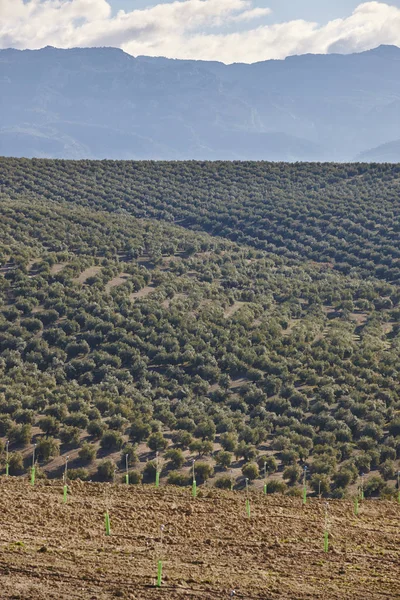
{"points": [[209, 546], [57, 268], [231, 310], [90, 272], [117, 281], [145, 291]]}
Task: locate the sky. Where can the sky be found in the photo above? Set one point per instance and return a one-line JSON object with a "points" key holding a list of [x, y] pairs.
{"points": [[225, 30]]}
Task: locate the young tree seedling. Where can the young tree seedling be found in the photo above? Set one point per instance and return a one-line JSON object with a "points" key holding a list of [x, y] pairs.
{"points": [[247, 498], [194, 485], [33, 469], [157, 472], [65, 487], [159, 563], [326, 529], [305, 485], [107, 523], [362, 487], [7, 464], [127, 469], [356, 506], [265, 478]]}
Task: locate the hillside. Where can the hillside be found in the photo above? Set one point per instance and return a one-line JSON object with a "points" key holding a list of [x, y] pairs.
{"points": [[123, 332], [209, 547], [102, 103], [346, 215], [389, 153]]}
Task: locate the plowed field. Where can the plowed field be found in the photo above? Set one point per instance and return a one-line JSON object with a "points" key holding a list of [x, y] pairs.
{"points": [[209, 547]]}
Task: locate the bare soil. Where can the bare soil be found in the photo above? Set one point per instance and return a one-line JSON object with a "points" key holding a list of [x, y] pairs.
{"points": [[50, 550], [57, 268], [231, 310], [32, 264], [292, 324], [145, 291], [168, 301], [117, 281], [90, 272]]}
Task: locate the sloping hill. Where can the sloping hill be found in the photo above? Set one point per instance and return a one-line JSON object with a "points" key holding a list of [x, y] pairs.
{"points": [[345, 215], [129, 335]]}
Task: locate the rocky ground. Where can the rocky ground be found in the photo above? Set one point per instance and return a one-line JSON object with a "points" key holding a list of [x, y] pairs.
{"points": [[209, 546]]}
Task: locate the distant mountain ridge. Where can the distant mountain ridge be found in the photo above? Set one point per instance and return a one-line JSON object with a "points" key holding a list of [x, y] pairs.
{"points": [[103, 103], [389, 152]]}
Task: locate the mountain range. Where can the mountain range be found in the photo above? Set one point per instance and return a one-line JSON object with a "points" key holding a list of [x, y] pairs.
{"points": [[103, 103]]}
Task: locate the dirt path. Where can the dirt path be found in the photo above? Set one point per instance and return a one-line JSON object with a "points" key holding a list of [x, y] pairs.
{"points": [[49, 550]]}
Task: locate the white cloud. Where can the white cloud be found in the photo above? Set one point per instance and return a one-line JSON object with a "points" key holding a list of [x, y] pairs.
{"points": [[192, 29], [251, 14]]}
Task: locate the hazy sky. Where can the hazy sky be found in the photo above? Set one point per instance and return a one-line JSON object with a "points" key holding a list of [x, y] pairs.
{"points": [[226, 30]]}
